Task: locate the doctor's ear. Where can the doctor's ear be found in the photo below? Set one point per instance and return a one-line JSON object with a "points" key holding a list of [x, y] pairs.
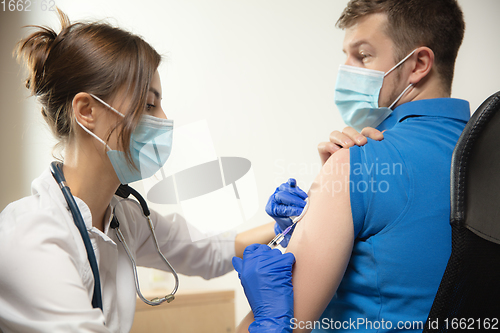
{"points": [[84, 110], [423, 64]]}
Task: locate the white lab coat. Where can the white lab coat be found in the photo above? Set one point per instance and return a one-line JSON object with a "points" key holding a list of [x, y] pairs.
{"points": [[46, 283]]}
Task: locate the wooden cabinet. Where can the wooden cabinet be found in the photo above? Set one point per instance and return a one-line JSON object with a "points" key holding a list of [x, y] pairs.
{"points": [[192, 311]]}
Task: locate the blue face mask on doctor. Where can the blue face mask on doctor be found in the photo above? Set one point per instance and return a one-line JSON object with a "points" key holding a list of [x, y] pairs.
{"points": [[357, 92], [150, 147]]}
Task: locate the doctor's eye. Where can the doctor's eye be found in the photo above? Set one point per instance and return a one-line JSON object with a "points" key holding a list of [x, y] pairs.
{"points": [[150, 107]]}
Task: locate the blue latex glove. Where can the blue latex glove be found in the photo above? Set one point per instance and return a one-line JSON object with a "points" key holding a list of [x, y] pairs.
{"points": [[287, 200], [266, 276]]}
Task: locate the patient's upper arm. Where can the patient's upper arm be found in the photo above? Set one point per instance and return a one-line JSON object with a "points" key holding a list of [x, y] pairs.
{"points": [[322, 241]]}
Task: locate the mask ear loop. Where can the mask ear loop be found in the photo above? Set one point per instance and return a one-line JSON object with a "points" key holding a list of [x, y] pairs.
{"points": [[401, 95], [399, 63], [393, 68], [109, 106], [93, 134]]}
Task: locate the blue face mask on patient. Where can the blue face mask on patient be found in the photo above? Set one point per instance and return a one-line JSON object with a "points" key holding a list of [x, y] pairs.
{"points": [[357, 92], [150, 147]]}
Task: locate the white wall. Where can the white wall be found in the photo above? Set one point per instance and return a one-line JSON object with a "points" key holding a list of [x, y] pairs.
{"points": [[261, 72], [12, 119]]}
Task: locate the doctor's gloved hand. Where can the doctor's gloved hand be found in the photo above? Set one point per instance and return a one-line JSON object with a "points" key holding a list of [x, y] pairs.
{"points": [[266, 277], [288, 200]]}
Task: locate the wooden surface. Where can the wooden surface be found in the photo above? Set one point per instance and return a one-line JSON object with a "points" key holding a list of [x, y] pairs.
{"points": [[208, 311]]}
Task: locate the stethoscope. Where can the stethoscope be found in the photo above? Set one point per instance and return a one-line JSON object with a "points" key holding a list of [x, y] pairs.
{"points": [[123, 191]]}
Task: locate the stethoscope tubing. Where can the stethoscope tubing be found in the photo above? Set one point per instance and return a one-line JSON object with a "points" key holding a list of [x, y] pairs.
{"points": [[123, 191], [56, 169]]}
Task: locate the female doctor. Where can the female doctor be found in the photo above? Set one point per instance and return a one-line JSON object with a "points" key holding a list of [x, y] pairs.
{"points": [[100, 93]]}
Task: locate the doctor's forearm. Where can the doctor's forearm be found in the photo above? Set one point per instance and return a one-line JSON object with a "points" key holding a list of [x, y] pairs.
{"points": [[262, 234]]}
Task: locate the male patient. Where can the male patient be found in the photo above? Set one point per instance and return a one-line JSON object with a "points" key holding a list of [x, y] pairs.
{"points": [[375, 241]]}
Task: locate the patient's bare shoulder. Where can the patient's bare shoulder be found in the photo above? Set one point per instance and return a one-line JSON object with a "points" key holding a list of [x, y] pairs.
{"points": [[323, 239]]}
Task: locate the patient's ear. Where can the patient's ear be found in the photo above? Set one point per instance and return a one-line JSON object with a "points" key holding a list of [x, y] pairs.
{"points": [[422, 65]]}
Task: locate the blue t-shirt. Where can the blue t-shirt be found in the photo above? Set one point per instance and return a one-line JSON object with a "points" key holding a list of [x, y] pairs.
{"points": [[400, 202]]}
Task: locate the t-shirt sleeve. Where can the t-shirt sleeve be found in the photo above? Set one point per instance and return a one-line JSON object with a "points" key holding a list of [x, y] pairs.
{"points": [[379, 186], [357, 197]]}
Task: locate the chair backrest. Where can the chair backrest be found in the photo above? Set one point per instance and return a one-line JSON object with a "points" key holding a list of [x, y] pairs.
{"points": [[469, 294]]}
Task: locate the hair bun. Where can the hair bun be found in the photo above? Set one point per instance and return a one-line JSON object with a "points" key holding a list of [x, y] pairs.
{"points": [[34, 51]]}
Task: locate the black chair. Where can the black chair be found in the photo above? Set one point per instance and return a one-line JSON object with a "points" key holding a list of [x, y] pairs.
{"points": [[469, 294]]}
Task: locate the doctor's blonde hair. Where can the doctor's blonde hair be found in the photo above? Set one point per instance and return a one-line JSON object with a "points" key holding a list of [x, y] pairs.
{"points": [[95, 58]]}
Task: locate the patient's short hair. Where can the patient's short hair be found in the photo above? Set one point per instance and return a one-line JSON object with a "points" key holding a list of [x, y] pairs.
{"points": [[437, 24]]}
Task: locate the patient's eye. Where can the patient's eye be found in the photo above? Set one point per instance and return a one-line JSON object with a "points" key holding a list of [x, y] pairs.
{"points": [[364, 56]]}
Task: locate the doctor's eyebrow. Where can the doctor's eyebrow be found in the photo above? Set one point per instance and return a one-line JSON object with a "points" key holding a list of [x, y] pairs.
{"points": [[155, 92]]}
